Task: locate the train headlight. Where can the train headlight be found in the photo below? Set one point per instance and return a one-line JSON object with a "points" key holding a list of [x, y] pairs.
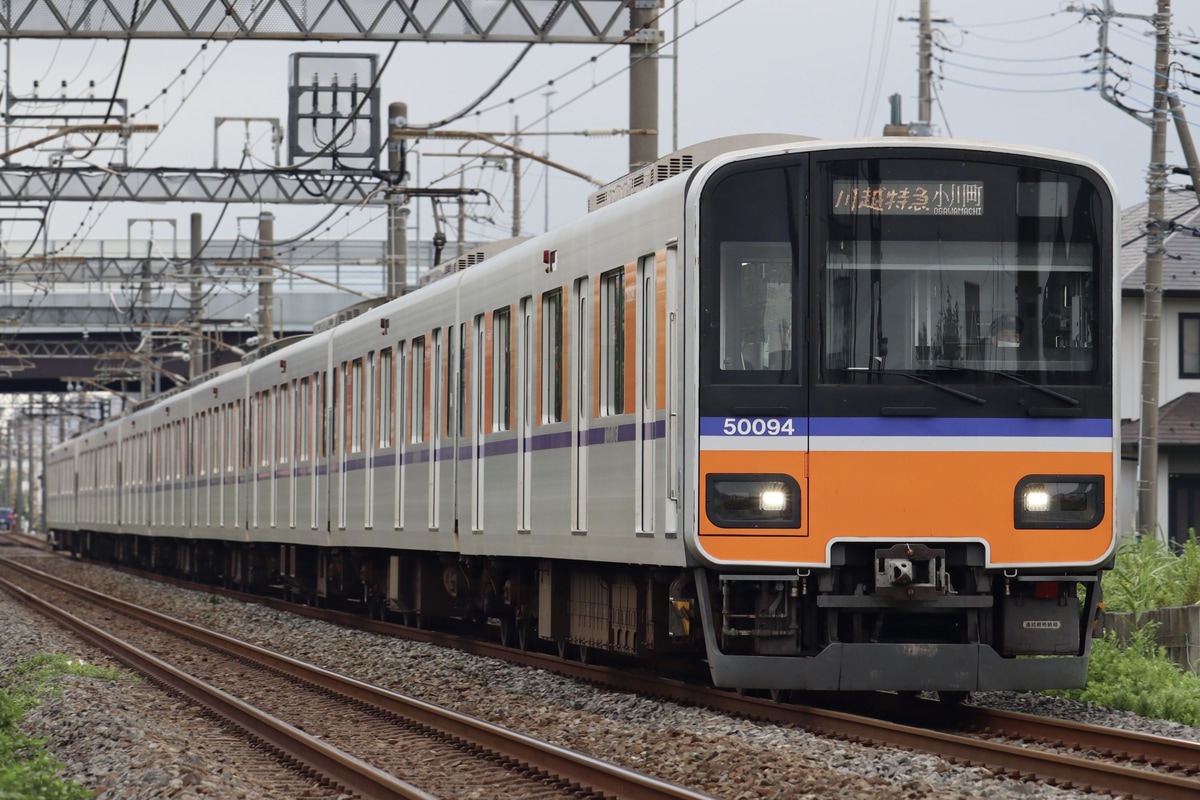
{"points": [[773, 499], [1059, 501], [753, 501]]}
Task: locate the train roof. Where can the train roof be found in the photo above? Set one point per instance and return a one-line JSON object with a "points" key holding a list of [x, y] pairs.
{"points": [[683, 160]]}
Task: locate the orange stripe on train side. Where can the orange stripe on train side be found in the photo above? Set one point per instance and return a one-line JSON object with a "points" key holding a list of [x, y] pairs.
{"points": [[911, 496]]}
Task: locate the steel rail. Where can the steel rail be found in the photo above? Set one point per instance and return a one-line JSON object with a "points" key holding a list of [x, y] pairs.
{"points": [[339, 767], [1134, 745], [570, 766], [1062, 770]]}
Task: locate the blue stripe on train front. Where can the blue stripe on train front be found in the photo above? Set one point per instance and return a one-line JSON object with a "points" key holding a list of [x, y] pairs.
{"points": [[906, 434]]}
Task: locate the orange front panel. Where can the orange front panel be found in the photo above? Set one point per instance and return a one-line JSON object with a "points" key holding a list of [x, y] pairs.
{"points": [[900, 496]]}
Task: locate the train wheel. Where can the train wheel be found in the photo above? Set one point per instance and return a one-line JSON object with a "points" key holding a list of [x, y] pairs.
{"points": [[953, 698], [412, 619], [584, 654], [780, 695], [564, 649]]}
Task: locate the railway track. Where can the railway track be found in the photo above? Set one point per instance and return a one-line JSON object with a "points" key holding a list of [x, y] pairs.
{"points": [[357, 737], [1064, 753]]}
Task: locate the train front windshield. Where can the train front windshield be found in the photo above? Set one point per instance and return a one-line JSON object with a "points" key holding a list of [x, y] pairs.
{"points": [[902, 268], [959, 267]]}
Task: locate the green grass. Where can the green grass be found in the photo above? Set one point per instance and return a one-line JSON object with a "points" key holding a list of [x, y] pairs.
{"points": [[26, 769], [1137, 675], [1149, 575]]}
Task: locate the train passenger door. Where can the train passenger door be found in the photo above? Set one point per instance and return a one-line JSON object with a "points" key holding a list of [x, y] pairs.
{"points": [[459, 345], [437, 391], [478, 360], [526, 376], [646, 403], [671, 441], [580, 396], [403, 404]]}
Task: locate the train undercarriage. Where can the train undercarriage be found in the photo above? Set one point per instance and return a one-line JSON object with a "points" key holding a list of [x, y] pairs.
{"points": [[907, 617]]}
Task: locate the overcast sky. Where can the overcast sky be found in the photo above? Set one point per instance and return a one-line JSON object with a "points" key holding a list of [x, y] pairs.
{"points": [[1016, 71]]}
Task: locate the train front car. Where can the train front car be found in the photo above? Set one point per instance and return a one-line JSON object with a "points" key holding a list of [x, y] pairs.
{"points": [[905, 458]]}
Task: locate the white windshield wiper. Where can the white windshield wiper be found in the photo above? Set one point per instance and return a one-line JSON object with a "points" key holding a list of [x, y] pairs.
{"points": [[1043, 389]]}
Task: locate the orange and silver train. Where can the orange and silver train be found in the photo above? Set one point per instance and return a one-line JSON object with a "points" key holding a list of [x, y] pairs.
{"points": [[823, 415]]}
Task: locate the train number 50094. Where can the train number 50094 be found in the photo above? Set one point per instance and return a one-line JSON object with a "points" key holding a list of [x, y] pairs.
{"points": [[758, 426]]}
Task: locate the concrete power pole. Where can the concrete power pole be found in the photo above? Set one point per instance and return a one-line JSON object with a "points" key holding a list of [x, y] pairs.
{"points": [[924, 124], [643, 81], [41, 472], [516, 173], [397, 204], [266, 278], [195, 310], [925, 68], [1147, 482]]}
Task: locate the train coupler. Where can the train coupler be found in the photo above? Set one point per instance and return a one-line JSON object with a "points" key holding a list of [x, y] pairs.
{"points": [[911, 571]]}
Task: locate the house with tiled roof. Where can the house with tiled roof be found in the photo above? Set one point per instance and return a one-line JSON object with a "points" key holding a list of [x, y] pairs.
{"points": [[1179, 365]]}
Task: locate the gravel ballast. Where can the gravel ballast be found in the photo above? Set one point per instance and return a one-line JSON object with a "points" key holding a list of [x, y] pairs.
{"points": [[128, 739]]}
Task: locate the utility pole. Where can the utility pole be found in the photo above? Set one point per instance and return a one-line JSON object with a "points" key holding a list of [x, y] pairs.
{"points": [[19, 494], [516, 162], [1147, 482], [924, 124], [195, 310], [925, 68], [41, 473], [266, 277], [645, 39], [546, 179], [397, 255]]}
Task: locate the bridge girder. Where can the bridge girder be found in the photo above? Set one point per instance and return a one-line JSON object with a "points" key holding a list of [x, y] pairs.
{"points": [[545, 21]]}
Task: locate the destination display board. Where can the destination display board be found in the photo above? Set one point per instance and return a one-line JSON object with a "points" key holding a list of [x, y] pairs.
{"points": [[909, 197]]}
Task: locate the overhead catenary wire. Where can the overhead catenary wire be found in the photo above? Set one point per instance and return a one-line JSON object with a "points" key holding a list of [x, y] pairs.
{"points": [[528, 128]]}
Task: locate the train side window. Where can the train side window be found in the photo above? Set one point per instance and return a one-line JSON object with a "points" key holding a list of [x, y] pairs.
{"points": [[399, 396], [369, 427], [284, 423], [418, 390], [612, 342], [502, 360], [321, 407], [359, 406], [240, 443], [385, 412], [461, 381], [552, 357], [438, 391], [751, 290], [303, 418]]}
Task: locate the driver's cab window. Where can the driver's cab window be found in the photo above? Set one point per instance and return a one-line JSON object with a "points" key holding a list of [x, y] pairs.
{"points": [[757, 306]]}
